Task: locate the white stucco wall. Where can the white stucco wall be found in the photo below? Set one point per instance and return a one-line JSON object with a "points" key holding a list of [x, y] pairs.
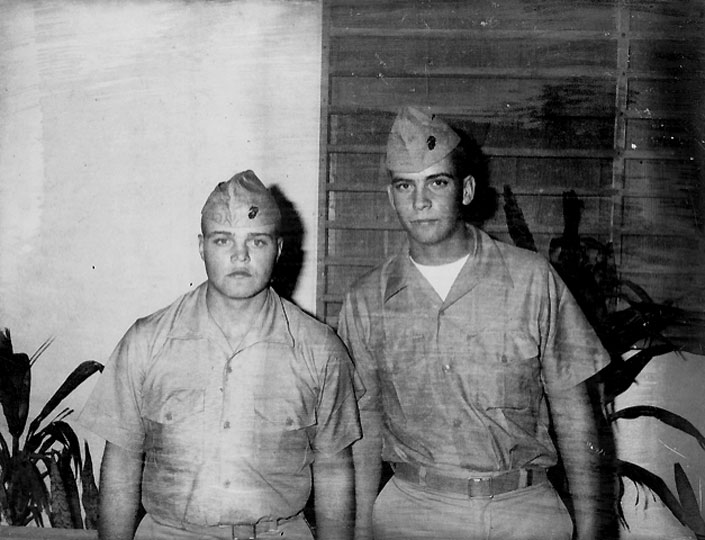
{"points": [[116, 121], [673, 382]]}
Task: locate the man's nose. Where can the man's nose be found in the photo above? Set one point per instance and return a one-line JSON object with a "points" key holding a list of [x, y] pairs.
{"points": [[240, 253], [421, 199]]}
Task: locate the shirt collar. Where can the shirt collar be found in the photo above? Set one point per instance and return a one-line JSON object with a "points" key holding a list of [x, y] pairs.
{"points": [[486, 263], [193, 321]]}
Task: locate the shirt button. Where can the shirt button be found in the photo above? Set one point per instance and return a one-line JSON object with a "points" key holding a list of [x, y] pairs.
{"points": [[504, 358], [447, 368], [226, 483], [457, 422], [168, 416], [226, 425], [228, 368]]}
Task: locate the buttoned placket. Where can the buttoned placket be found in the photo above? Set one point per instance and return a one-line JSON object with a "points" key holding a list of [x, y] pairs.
{"points": [[236, 415]]}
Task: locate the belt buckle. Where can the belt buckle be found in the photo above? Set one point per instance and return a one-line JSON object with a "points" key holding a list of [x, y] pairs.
{"points": [[476, 487], [251, 533]]}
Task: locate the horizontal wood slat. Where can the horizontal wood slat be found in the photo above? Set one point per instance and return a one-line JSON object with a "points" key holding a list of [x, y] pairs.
{"points": [[363, 56], [513, 99], [487, 15]]}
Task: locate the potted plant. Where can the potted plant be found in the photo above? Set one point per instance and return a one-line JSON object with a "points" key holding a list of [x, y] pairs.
{"points": [[634, 330], [42, 470]]}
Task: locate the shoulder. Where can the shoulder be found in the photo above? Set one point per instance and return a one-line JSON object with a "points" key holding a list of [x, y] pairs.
{"points": [[371, 284], [519, 257], [168, 313], [519, 262], [306, 329], [155, 327]]}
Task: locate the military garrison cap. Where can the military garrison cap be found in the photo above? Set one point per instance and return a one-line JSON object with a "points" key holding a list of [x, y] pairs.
{"points": [[418, 140], [242, 201]]}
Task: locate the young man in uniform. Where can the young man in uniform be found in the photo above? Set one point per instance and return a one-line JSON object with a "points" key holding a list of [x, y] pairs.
{"points": [[216, 407], [469, 349]]}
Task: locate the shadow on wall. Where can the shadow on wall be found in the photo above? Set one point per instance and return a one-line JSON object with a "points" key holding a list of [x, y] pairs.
{"points": [[476, 163], [290, 263]]}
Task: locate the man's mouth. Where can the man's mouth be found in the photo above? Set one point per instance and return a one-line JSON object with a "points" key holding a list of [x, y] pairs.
{"points": [[239, 274], [423, 222]]}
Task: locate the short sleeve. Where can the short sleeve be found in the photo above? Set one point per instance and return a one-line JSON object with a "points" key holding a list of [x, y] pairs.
{"points": [[112, 411], [571, 350], [337, 417], [354, 329]]}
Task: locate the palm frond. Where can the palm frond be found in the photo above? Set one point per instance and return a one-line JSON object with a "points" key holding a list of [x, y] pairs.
{"points": [[60, 512], [619, 375], [75, 378], [638, 290], [667, 417], [43, 347], [689, 502], [56, 432], [89, 493], [71, 490], [655, 484], [25, 490], [15, 384], [516, 224], [4, 454]]}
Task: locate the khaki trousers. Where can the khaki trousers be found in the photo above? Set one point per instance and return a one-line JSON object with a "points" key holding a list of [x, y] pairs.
{"points": [[406, 511], [149, 529]]}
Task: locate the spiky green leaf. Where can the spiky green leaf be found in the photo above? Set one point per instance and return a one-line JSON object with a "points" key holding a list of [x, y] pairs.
{"points": [[25, 490], [89, 495], [667, 417], [56, 433], [619, 375], [516, 224], [640, 292], [689, 502], [644, 478], [59, 511], [75, 378], [71, 489], [43, 347], [15, 383]]}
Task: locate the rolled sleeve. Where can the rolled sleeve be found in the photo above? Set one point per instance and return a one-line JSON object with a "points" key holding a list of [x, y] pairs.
{"points": [[572, 351], [354, 330], [113, 409], [337, 418]]}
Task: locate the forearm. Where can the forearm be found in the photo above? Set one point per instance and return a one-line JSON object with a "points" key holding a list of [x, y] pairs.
{"points": [[367, 460], [577, 437], [334, 496], [119, 495]]}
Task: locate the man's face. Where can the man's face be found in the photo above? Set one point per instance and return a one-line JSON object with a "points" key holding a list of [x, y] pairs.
{"points": [[239, 260], [428, 203]]}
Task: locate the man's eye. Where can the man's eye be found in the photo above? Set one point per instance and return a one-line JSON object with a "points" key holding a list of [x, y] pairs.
{"points": [[259, 242], [402, 186], [440, 182], [220, 241]]}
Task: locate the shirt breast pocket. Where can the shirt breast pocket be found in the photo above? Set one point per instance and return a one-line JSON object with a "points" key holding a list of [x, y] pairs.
{"points": [[506, 370], [174, 425], [521, 377], [283, 432]]}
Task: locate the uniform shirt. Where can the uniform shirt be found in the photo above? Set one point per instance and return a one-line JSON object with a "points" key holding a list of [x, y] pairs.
{"points": [[462, 382], [228, 436]]}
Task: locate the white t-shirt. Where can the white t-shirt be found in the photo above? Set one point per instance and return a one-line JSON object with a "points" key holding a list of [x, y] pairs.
{"points": [[442, 276]]}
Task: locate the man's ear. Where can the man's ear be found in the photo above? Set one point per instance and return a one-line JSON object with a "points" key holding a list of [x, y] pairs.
{"points": [[280, 245], [391, 197], [200, 245], [468, 189]]}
